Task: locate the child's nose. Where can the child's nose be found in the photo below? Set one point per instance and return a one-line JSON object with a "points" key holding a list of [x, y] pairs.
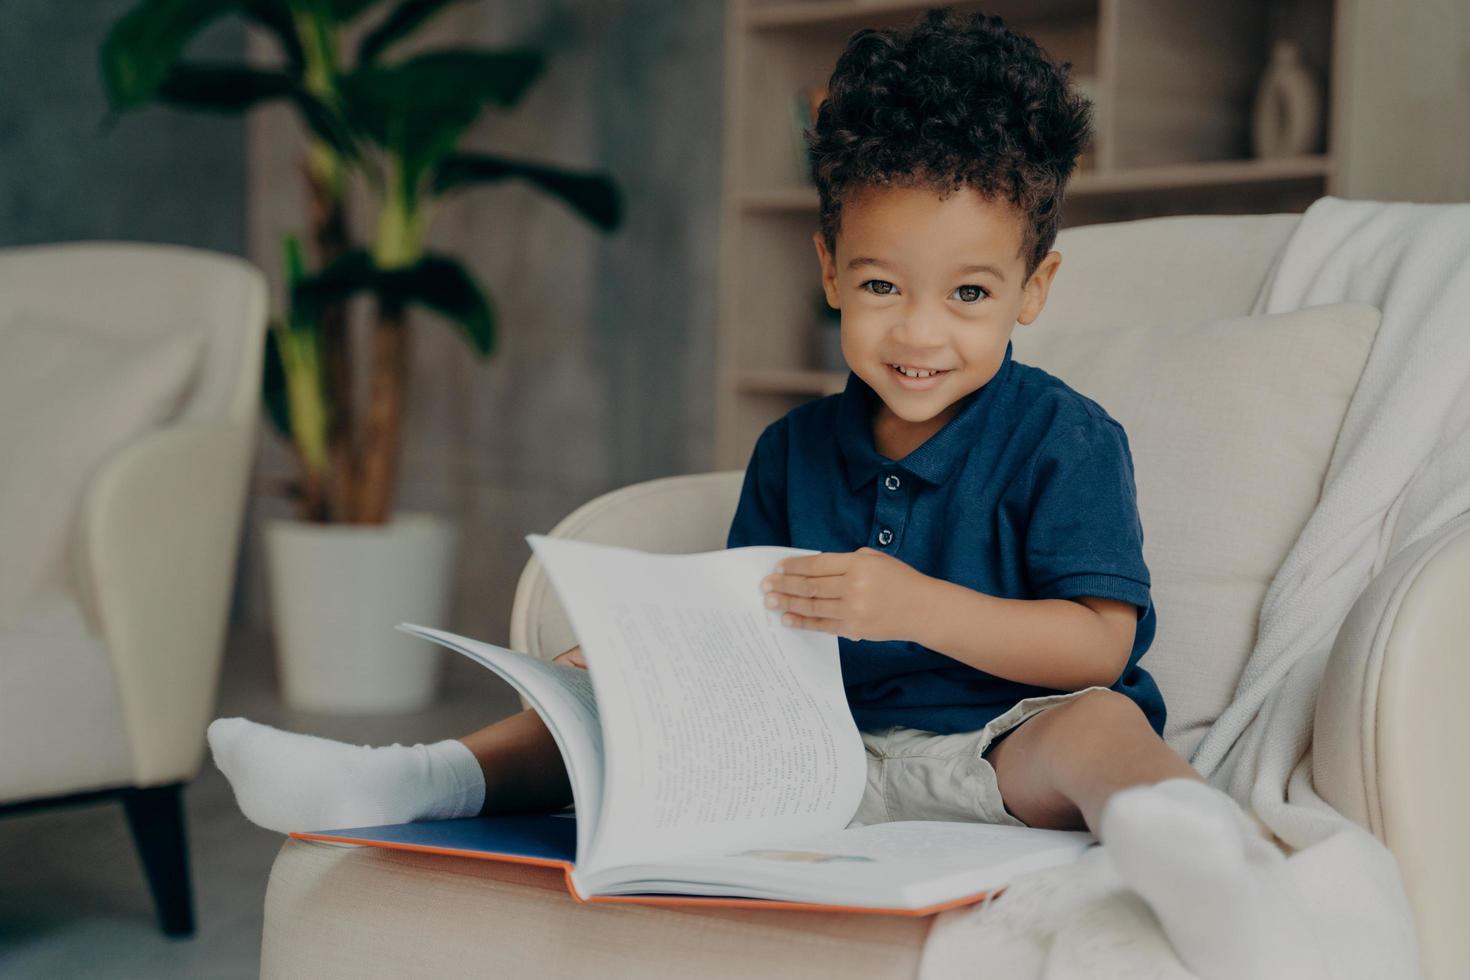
{"points": [[920, 329]]}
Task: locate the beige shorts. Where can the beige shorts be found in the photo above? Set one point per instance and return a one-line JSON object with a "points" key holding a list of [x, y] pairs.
{"points": [[918, 775]]}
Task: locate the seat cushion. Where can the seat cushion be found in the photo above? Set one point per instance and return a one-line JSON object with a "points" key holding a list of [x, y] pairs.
{"points": [[70, 396], [60, 723], [363, 912], [1231, 423]]}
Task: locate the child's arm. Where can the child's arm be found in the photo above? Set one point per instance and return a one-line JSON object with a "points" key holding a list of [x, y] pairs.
{"points": [[1065, 644]]}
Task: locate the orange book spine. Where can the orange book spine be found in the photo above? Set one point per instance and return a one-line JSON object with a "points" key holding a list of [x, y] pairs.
{"points": [[678, 900]]}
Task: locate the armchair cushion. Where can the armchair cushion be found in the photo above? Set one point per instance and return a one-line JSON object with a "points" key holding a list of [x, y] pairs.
{"points": [[1231, 423], [363, 912], [69, 397], [60, 722]]}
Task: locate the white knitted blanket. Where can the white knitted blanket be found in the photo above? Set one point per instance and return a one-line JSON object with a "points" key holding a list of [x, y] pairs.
{"points": [[1400, 471]]}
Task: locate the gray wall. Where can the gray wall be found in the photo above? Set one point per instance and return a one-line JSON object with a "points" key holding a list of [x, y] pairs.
{"points": [[604, 370], [658, 118], [160, 175]]}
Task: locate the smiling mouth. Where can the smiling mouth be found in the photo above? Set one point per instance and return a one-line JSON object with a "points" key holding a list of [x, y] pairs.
{"points": [[918, 374]]}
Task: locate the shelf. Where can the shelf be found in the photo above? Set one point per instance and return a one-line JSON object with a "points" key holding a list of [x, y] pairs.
{"points": [[1172, 84], [1139, 180], [1212, 173], [860, 13], [791, 381]]}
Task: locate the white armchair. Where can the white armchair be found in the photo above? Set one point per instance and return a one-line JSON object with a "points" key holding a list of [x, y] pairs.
{"points": [[108, 678], [1232, 421]]}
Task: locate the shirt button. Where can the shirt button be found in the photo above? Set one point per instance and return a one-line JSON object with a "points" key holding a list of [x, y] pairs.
{"points": [[885, 536], [891, 483]]}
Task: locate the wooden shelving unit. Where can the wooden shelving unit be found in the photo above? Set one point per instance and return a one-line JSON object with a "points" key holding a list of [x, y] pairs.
{"points": [[1232, 174], [1174, 84]]}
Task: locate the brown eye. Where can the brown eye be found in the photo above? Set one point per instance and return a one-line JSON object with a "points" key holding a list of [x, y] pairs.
{"points": [[971, 294], [875, 283]]}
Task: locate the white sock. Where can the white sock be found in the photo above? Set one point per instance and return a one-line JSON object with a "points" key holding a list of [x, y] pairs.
{"points": [[1217, 885], [287, 782]]}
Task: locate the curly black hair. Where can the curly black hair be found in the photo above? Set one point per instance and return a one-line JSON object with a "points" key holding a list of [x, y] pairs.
{"points": [[951, 103]]}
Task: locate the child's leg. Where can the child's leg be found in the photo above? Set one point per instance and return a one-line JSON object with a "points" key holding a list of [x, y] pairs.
{"points": [[1216, 884], [521, 765], [1059, 767], [285, 781]]}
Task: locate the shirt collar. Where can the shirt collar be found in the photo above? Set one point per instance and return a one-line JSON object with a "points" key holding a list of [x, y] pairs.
{"points": [[933, 461]]}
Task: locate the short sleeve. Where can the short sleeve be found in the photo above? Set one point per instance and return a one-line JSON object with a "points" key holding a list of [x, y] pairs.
{"points": [[760, 517], [1083, 534]]}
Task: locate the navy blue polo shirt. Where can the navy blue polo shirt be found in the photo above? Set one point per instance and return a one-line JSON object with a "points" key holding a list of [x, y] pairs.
{"points": [[1026, 493]]}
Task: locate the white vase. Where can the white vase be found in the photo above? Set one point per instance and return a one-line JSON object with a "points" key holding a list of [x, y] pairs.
{"points": [[337, 592], [1287, 120]]}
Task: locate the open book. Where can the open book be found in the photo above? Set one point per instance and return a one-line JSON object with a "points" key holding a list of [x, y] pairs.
{"points": [[711, 752]]}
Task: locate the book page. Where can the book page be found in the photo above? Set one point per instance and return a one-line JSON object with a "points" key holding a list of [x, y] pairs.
{"points": [[563, 697], [722, 727], [902, 864]]}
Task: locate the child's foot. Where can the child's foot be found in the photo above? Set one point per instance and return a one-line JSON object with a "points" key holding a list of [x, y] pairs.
{"points": [[287, 782], [1218, 887]]}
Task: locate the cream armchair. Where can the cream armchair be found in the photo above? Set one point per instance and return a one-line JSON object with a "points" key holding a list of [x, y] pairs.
{"points": [[1204, 472], [106, 688]]}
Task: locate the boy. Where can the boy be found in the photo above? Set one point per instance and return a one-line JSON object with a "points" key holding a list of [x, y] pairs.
{"points": [[981, 553]]}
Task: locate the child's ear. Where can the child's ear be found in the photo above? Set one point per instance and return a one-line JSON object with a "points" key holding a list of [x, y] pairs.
{"points": [[829, 270], [1037, 286]]}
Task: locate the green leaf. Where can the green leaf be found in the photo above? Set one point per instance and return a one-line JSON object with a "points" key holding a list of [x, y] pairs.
{"points": [[275, 16], [343, 11], [418, 110], [350, 272], [446, 287], [404, 18], [144, 43], [223, 88], [293, 264], [435, 281], [273, 385], [228, 88], [592, 195], [327, 124]]}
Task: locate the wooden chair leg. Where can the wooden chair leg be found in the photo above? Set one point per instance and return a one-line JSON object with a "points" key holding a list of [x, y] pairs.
{"points": [[156, 818]]}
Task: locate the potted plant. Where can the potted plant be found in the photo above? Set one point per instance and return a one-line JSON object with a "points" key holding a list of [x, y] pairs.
{"points": [[347, 568]]}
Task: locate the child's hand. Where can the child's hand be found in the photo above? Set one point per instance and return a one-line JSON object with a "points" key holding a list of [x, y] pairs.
{"points": [[572, 658], [860, 595]]}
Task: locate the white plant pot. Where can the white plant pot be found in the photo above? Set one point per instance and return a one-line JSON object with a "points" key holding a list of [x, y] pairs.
{"points": [[337, 592]]}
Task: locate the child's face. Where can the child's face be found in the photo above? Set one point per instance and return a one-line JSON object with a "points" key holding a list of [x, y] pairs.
{"points": [[907, 298]]}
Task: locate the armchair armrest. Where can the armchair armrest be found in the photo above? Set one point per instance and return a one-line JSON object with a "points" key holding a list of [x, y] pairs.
{"points": [[1391, 717], [159, 527]]}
